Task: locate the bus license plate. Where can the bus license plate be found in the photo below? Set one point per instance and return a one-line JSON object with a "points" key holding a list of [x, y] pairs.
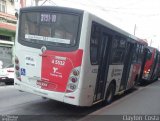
{"points": [[42, 84]]}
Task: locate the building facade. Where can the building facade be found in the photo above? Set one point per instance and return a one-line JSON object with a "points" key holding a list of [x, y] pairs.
{"points": [[8, 21], [7, 31]]}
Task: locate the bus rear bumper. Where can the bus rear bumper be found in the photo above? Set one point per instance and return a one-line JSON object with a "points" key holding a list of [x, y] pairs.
{"points": [[69, 98], [38, 91]]}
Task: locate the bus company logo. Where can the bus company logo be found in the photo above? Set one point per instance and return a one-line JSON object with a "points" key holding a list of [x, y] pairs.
{"points": [[55, 73], [43, 49], [54, 69]]}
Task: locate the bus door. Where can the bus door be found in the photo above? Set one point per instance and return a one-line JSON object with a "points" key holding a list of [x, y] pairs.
{"points": [[127, 65], [103, 68]]}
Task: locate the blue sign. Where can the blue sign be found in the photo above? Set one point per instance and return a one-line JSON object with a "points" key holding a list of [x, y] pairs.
{"points": [[23, 71]]}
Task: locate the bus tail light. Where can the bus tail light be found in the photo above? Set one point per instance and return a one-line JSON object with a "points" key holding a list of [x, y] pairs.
{"points": [[73, 80], [16, 60], [76, 72], [17, 69], [147, 72]]}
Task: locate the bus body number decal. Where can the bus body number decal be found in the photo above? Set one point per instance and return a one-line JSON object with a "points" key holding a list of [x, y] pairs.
{"points": [[58, 62]]}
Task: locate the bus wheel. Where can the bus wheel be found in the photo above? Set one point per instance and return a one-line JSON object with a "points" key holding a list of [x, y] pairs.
{"points": [[44, 98], [110, 93]]}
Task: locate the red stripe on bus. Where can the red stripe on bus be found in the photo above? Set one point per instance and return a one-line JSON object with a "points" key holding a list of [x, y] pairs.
{"points": [[56, 68]]}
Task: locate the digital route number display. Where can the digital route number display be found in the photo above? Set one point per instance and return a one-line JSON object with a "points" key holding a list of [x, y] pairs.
{"points": [[51, 18]]}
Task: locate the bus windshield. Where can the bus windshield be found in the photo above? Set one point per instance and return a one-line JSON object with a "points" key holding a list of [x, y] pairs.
{"points": [[48, 28]]}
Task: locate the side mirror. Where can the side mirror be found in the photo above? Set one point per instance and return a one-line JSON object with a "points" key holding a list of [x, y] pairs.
{"points": [[16, 15]]}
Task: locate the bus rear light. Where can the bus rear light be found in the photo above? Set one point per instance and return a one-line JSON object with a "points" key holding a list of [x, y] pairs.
{"points": [[75, 72], [72, 86], [147, 72], [17, 74], [16, 61], [17, 69], [73, 80]]}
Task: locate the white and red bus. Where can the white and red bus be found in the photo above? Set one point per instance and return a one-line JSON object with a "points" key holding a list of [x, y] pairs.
{"points": [[151, 68], [72, 56]]}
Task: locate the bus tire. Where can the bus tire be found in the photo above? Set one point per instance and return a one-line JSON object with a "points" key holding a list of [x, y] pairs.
{"points": [[110, 93], [44, 98]]}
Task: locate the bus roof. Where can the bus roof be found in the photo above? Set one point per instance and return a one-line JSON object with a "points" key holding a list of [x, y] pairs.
{"points": [[117, 29], [52, 8], [79, 11]]}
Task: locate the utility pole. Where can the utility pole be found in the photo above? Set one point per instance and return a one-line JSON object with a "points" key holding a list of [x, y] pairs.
{"points": [[36, 2], [135, 27], [151, 42], [22, 3]]}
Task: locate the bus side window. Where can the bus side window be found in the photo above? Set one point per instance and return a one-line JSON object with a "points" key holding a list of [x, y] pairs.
{"points": [[149, 55], [117, 56], [94, 43], [118, 47], [139, 53], [135, 55]]}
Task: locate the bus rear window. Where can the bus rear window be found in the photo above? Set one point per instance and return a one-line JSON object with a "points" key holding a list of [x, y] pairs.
{"points": [[54, 29]]}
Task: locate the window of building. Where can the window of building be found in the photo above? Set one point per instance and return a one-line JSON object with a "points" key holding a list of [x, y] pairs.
{"points": [[3, 6]]}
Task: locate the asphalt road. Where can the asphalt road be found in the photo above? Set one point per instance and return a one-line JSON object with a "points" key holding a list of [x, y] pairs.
{"points": [[34, 108], [144, 100]]}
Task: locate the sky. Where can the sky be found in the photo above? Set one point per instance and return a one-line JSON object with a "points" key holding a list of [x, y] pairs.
{"points": [[125, 14]]}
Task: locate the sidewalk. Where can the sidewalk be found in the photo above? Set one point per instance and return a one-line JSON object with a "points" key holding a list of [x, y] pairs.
{"points": [[137, 106]]}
